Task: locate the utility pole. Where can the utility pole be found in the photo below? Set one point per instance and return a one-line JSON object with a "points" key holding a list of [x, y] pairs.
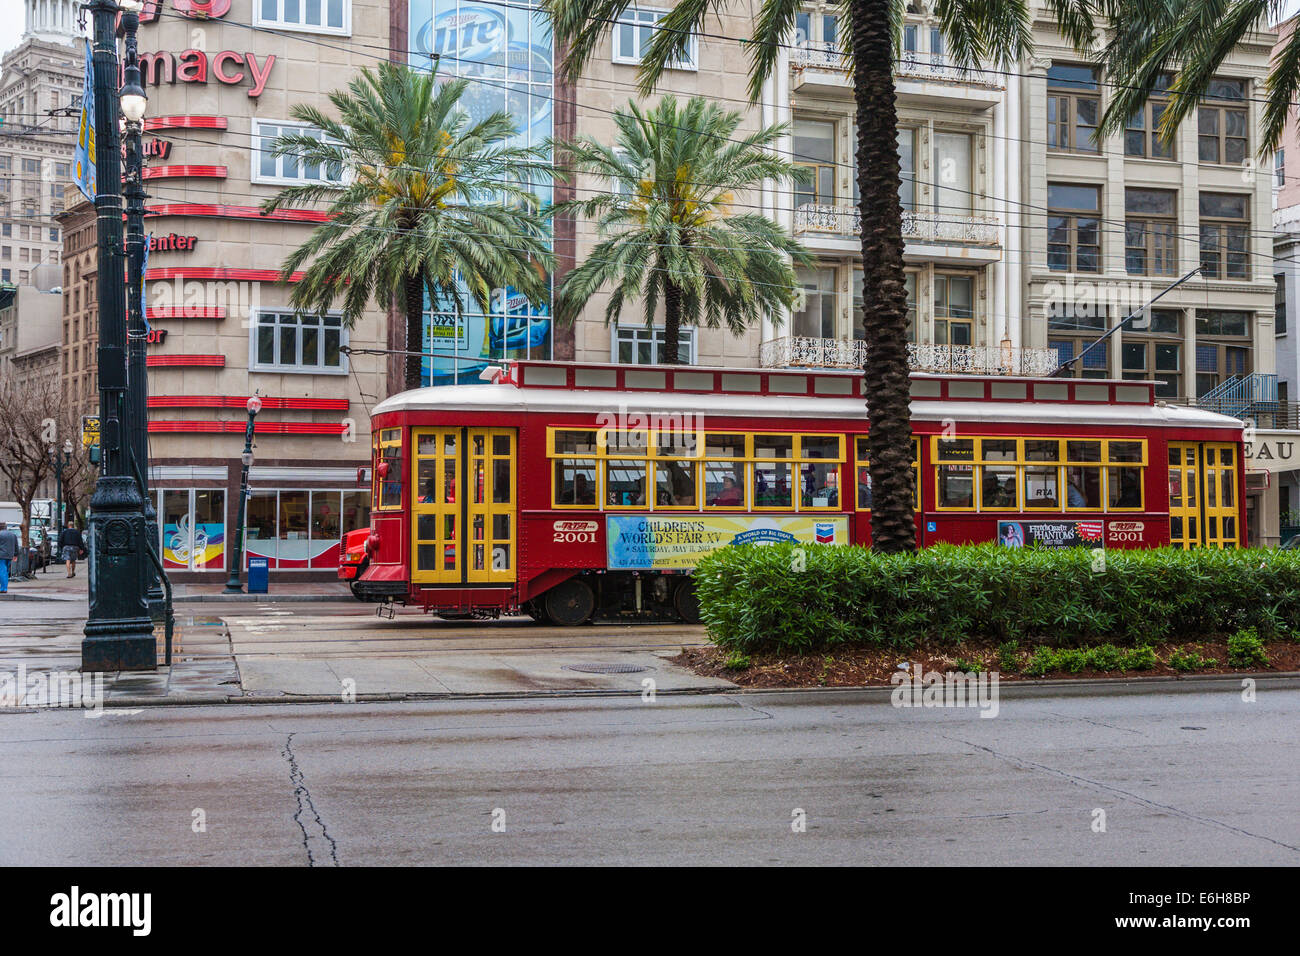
{"points": [[134, 101], [118, 633]]}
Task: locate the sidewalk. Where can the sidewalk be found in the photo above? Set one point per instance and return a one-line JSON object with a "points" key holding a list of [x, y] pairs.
{"points": [[55, 585]]}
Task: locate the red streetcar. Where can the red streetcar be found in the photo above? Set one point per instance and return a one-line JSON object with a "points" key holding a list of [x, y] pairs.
{"points": [[568, 491]]}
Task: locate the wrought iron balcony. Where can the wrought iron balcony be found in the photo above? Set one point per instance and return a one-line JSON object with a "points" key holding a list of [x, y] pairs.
{"points": [[911, 66], [919, 225], [806, 352]]}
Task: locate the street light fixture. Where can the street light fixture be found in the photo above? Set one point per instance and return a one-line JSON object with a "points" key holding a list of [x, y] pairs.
{"points": [[233, 585]]}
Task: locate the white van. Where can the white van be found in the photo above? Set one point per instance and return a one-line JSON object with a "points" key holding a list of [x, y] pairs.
{"points": [[11, 513]]}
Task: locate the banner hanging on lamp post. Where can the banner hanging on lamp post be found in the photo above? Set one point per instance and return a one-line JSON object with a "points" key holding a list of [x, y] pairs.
{"points": [[83, 158]]}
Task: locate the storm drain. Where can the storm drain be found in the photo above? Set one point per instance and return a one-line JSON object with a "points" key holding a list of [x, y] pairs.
{"points": [[605, 668]]}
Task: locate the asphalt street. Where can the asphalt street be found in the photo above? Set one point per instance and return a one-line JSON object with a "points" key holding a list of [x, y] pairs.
{"points": [[1193, 775]]}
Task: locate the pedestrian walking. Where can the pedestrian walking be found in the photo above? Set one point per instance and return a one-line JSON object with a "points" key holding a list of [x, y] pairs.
{"points": [[71, 547], [8, 551]]}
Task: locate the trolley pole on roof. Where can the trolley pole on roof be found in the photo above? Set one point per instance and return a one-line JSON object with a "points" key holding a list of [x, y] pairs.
{"points": [[1060, 369]]}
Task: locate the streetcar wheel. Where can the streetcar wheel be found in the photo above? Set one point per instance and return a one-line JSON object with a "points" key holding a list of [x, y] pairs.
{"points": [[686, 603], [569, 603]]}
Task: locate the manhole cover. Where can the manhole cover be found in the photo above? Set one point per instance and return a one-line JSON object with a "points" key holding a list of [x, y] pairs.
{"points": [[605, 668]]}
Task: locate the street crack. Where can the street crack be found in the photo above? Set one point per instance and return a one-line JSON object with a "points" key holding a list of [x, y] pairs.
{"points": [[316, 839]]}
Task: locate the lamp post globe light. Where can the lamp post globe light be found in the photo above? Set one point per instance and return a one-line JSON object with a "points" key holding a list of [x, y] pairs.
{"points": [[233, 585], [118, 633]]}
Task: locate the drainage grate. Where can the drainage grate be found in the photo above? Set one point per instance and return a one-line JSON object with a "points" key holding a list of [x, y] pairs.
{"points": [[605, 668]]}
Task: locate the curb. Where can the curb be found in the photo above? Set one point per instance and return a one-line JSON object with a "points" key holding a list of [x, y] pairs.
{"points": [[1117, 685]]}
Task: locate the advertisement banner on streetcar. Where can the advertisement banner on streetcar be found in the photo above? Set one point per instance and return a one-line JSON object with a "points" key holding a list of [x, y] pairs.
{"points": [[1051, 534], [678, 542]]}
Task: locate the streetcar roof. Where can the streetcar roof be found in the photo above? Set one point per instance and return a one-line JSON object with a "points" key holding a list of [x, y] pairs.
{"points": [[501, 397]]}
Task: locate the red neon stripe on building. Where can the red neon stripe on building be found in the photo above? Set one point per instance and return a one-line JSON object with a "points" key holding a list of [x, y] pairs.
{"points": [[176, 172], [235, 212], [185, 122], [236, 401], [260, 428], [169, 361], [187, 312], [218, 273]]}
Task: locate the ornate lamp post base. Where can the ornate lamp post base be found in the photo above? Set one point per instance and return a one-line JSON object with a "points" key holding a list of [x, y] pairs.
{"points": [[119, 634]]}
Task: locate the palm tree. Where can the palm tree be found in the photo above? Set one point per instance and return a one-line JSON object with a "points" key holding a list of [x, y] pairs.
{"points": [[1191, 39], [669, 231], [422, 198], [976, 31]]}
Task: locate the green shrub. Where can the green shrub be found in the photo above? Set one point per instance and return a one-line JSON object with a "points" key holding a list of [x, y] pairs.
{"points": [[1187, 661], [1139, 659], [1041, 662], [1009, 657], [967, 665], [736, 661], [1245, 649], [751, 600]]}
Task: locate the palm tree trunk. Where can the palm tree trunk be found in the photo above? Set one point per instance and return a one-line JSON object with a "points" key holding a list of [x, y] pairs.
{"points": [[884, 295], [672, 324], [413, 296]]}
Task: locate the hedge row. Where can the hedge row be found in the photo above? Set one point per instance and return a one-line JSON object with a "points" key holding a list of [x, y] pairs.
{"points": [[794, 598]]}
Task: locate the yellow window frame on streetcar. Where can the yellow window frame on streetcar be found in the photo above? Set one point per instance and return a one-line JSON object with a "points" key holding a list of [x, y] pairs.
{"points": [[1074, 474], [730, 470]]}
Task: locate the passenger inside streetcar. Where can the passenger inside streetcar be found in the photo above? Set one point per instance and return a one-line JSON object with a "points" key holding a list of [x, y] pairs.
{"points": [[729, 496]]}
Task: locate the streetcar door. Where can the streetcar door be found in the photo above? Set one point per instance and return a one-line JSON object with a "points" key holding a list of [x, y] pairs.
{"points": [[1184, 495], [435, 511], [490, 508], [463, 506]]}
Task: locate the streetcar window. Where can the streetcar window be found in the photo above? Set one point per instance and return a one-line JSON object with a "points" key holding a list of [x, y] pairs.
{"points": [[1082, 488], [998, 487], [1039, 449], [389, 453], [675, 483], [999, 449], [819, 485], [863, 471], [955, 449], [1083, 451], [771, 481], [724, 484], [625, 483], [677, 442], [1125, 451], [773, 446], [1042, 488], [956, 486], [633, 442], [574, 442], [575, 483], [1124, 488], [724, 446], [820, 446]]}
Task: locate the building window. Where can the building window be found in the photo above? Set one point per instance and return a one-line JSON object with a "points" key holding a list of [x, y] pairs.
{"points": [[1222, 347], [954, 309], [815, 31], [1142, 131], [1279, 168], [1073, 106], [858, 318], [906, 168], [952, 173], [1279, 304], [637, 345], [1153, 349], [310, 16], [31, 165], [634, 32], [290, 168], [1071, 331], [54, 234], [1073, 228], [814, 150], [1225, 229], [814, 317], [1150, 232], [306, 343], [1222, 122]]}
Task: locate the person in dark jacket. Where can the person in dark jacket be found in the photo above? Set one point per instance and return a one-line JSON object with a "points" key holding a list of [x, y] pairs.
{"points": [[8, 551], [70, 547]]}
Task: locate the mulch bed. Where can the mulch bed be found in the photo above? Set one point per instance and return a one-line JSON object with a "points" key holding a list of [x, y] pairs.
{"points": [[863, 667]]}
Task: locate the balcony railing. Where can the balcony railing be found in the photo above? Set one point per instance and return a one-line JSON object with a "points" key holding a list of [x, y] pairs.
{"points": [[912, 66], [805, 352], [919, 225]]}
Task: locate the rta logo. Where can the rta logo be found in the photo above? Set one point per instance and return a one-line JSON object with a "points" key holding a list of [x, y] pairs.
{"points": [[575, 532]]}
